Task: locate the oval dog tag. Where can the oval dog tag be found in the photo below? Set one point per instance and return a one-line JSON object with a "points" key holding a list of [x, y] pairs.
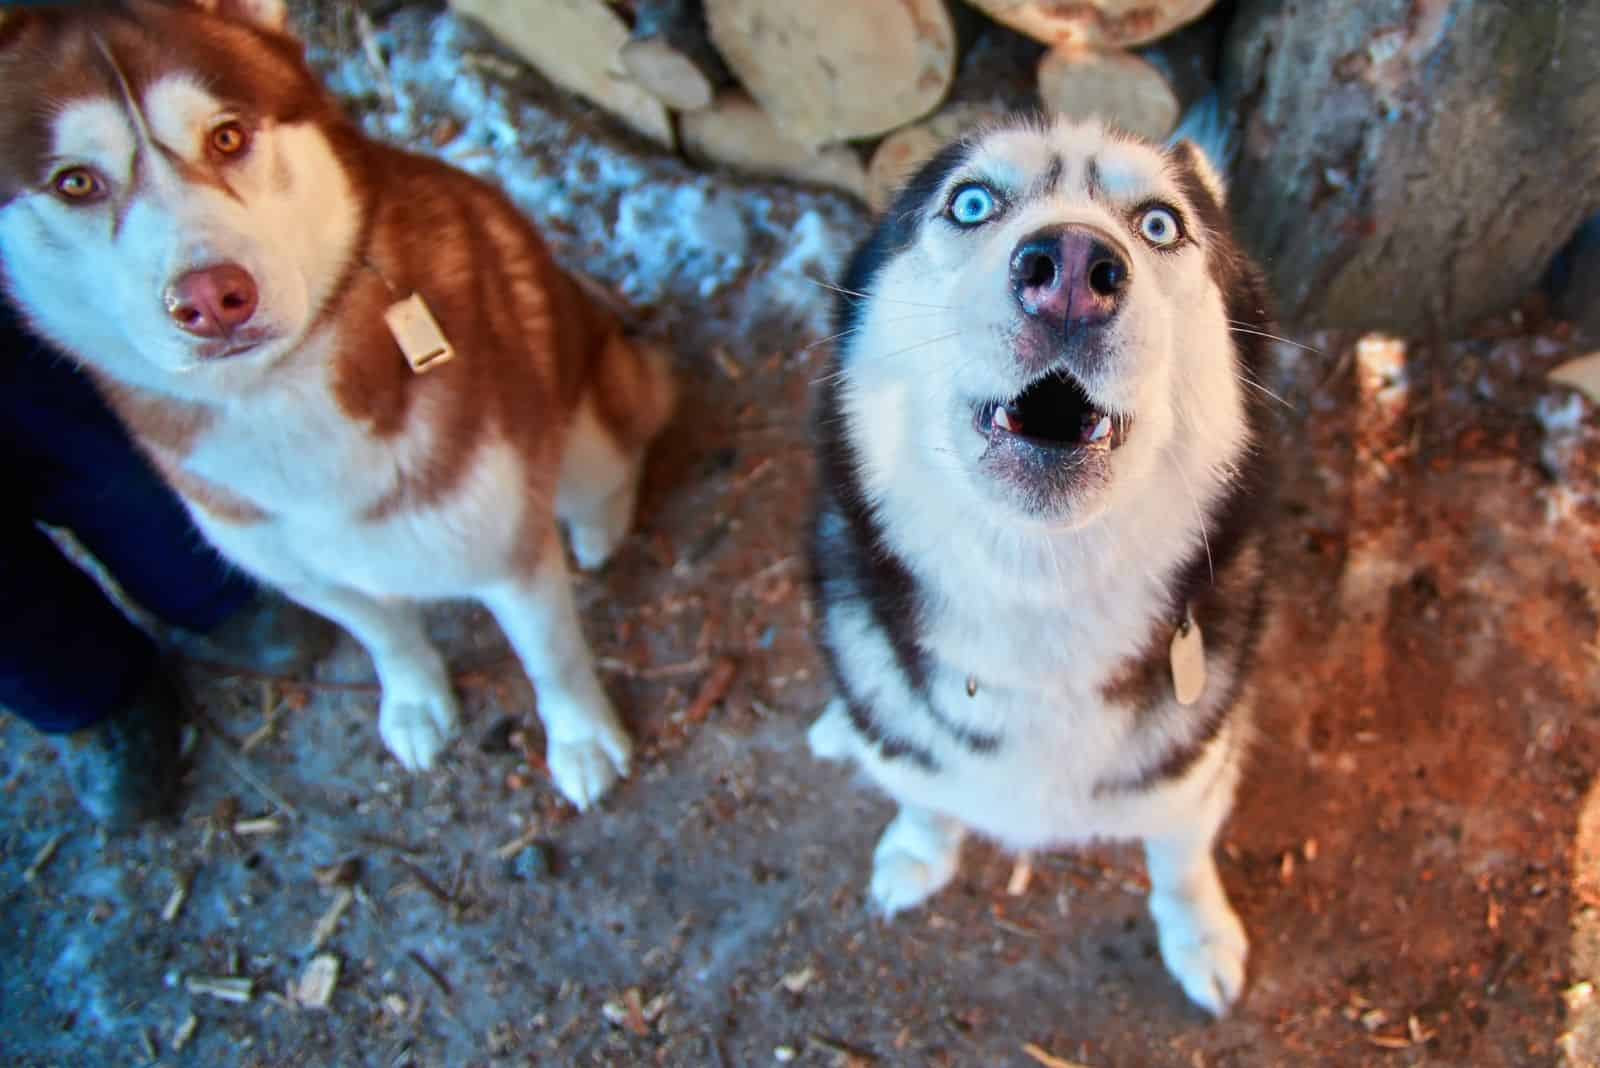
{"points": [[1188, 661]]}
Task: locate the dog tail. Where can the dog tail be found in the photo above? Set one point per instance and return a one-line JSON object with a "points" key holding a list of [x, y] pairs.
{"points": [[633, 389]]}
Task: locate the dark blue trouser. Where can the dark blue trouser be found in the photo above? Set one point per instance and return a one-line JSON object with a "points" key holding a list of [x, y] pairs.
{"points": [[68, 656]]}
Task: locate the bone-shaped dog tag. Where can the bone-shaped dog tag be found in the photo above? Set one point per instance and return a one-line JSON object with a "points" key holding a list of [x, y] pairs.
{"points": [[417, 333], [1188, 661]]}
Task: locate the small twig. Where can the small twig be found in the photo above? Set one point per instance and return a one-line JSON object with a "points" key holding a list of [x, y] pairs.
{"points": [[853, 1057], [175, 900], [236, 765], [224, 988], [1049, 1060], [330, 919], [714, 689], [431, 972], [434, 890], [43, 857], [665, 671]]}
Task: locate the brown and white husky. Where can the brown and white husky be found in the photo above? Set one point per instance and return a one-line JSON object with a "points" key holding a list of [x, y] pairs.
{"points": [[186, 212]]}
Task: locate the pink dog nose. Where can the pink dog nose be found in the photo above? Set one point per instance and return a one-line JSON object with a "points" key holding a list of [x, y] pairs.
{"points": [[213, 301]]}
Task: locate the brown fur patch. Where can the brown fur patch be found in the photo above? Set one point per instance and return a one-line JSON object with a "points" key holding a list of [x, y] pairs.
{"points": [[160, 423], [216, 501]]}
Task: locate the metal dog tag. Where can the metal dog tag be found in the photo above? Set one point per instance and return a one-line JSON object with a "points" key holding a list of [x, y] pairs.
{"points": [[417, 333], [1188, 661]]}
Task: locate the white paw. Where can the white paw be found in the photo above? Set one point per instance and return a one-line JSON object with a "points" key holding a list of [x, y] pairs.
{"points": [[592, 544], [1205, 949], [901, 881], [585, 768], [915, 859], [831, 737], [416, 726]]}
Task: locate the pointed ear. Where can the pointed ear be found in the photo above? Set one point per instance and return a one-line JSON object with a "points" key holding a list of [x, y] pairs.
{"points": [[1191, 155], [268, 14]]}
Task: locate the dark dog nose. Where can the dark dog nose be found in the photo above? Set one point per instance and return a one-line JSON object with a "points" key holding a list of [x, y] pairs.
{"points": [[1069, 275], [213, 301]]}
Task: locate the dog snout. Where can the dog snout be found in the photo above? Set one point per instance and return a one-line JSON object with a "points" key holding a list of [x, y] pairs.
{"points": [[1069, 275], [213, 301]]}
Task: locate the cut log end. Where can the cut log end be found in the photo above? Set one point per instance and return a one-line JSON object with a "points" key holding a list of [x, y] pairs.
{"points": [[667, 74], [1096, 23], [832, 70], [736, 133], [900, 154], [575, 44], [1116, 88]]}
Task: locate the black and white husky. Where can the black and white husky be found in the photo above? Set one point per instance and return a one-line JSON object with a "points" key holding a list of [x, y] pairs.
{"points": [[1036, 566]]}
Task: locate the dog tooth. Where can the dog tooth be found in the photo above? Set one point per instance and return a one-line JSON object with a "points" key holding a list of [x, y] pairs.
{"points": [[1101, 429], [1003, 420]]}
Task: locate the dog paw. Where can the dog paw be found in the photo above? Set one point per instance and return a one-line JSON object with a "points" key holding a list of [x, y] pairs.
{"points": [[901, 881], [831, 737], [593, 543], [1205, 950], [915, 859], [584, 769], [416, 727]]}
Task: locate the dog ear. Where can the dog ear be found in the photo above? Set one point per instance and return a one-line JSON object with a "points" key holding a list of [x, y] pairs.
{"points": [[268, 14]]}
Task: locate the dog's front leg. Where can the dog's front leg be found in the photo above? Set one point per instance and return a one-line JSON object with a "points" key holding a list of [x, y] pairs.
{"points": [[417, 714], [587, 747], [1202, 941]]}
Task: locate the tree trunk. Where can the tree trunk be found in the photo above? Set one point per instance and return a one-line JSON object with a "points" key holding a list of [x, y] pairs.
{"points": [[1412, 164]]}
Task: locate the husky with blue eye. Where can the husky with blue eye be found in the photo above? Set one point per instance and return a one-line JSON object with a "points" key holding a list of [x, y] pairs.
{"points": [[1036, 561]]}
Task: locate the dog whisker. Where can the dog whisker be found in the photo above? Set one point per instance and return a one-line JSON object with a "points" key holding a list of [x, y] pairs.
{"points": [[868, 296], [1245, 328]]}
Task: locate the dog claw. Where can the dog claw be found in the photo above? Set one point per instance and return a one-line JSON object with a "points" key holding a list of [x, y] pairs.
{"points": [[584, 769], [1206, 954], [416, 729]]}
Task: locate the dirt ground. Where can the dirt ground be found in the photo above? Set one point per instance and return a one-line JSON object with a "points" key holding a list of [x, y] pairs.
{"points": [[1406, 852]]}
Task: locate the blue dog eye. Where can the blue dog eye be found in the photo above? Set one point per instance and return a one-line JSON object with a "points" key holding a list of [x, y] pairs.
{"points": [[971, 205]]}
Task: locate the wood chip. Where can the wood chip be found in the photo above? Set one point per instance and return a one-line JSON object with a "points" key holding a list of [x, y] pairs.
{"points": [[796, 982], [340, 873], [43, 857], [315, 988], [175, 900], [330, 919], [1582, 374], [223, 988], [1021, 875], [185, 1031], [1049, 1060], [518, 844], [259, 825], [714, 689]]}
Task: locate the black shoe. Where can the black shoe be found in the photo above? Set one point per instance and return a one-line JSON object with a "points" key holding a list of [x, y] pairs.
{"points": [[124, 769], [272, 636]]}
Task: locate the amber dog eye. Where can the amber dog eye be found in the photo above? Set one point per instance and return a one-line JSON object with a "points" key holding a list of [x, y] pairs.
{"points": [[229, 139], [79, 184]]}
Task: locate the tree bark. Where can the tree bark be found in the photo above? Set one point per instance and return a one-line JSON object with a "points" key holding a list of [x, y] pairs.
{"points": [[1412, 164]]}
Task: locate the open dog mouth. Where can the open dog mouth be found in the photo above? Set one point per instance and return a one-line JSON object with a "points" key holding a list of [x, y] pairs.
{"points": [[1054, 412]]}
